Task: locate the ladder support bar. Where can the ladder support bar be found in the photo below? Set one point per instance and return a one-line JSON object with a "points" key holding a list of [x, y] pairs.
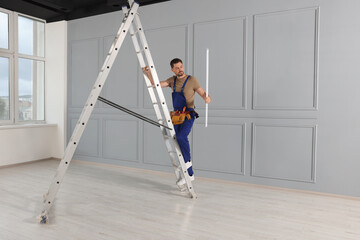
{"points": [[131, 112]]}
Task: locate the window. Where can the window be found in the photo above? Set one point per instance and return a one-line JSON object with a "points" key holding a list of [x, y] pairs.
{"points": [[31, 37], [31, 89], [22, 68], [4, 88], [4, 33]]}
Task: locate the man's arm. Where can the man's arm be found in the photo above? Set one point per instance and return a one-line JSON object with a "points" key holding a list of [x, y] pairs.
{"points": [[202, 94], [147, 71]]}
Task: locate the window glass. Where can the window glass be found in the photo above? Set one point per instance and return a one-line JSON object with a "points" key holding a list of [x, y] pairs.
{"points": [[31, 89], [4, 30], [27, 102], [4, 89], [31, 37]]}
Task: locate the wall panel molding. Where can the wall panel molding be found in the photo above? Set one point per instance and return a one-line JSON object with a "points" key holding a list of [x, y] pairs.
{"points": [[120, 139], [84, 69], [227, 43], [122, 85], [154, 150], [89, 141], [284, 151], [285, 69], [229, 157], [165, 44]]}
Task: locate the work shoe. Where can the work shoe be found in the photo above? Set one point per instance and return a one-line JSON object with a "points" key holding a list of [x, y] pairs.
{"points": [[181, 183]]}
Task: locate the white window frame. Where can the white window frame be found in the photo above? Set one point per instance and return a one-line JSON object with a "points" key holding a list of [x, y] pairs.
{"points": [[11, 87], [8, 53], [13, 54], [11, 31]]}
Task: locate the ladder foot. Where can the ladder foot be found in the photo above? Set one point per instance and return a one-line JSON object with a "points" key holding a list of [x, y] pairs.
{"points": [[42, 219], [194, 196]]}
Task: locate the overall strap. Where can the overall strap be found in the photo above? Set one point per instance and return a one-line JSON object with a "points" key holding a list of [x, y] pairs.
{"points": [[174, 84], [182, 89]]}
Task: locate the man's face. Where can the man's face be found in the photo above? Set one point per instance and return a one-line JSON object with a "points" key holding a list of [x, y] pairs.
{"points": [[178, 69]]}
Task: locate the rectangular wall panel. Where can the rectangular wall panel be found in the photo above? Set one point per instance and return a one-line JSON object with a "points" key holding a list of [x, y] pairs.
{"points": [[84, 69], [285, 60], [166, 44], [226, 40], [284, 152], [155, 151], [89, 141], [219, 148], [122, 85], [120, 140]]}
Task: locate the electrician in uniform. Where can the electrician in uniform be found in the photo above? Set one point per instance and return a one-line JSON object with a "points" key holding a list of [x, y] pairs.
{"points": [[184, 87]]}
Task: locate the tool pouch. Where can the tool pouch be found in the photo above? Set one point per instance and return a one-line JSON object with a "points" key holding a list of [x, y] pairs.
{"points": [[178, 117]]}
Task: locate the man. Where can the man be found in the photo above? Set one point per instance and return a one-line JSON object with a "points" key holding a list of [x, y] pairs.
{"points": [[184, 87]]}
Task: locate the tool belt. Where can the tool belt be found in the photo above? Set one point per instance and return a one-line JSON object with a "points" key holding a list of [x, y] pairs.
{"points": [[178, 117]]}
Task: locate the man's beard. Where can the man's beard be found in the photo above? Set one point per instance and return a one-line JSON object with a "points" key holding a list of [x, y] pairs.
{"points": [[180, 74]]}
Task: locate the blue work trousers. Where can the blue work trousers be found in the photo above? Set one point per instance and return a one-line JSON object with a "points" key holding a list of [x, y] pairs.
{"points": [[182, 133]]}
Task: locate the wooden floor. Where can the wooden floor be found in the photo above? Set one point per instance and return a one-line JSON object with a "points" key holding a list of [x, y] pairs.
{"points": [[105, 202]]}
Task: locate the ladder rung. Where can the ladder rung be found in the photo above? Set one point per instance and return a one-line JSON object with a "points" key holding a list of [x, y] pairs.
{"points": [[188, 164], [169, 137], [134, 33], [192, 178], [151, 86]]}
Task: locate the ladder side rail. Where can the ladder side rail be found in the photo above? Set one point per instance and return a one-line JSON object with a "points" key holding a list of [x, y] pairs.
{"points": [[147, 80], [87, 110], [163, 103], [172, 154], [153, 72], [153, 96]]}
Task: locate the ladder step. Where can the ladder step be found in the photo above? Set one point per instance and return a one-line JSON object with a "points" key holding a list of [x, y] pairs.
{"points": [[192, 178], [133, 34], [188, 164], [151, 86], [168, 137]]}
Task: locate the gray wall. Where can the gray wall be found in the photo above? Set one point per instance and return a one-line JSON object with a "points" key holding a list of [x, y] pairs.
{"points": [[284, 80]]}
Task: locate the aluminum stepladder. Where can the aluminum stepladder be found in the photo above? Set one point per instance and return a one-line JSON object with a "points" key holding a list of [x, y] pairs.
{"points": [[130, 16], [142, 51]]}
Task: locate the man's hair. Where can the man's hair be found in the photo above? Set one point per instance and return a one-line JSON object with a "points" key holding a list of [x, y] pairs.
{"points": [[175, 61]]}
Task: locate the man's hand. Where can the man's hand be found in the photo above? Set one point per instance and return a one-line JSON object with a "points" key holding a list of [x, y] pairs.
{"points": [[207, 99], [146, 70], [202, 93]]}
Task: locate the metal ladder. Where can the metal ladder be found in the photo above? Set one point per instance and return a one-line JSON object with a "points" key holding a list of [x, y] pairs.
{"points": [[162, 113], [180, 167]]}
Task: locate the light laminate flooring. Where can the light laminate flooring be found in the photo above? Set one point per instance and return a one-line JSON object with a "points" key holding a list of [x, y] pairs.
{"points": [[107, 202]]}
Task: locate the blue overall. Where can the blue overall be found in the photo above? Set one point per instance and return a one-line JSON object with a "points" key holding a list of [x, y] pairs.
{"points": [[183, 130]]}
